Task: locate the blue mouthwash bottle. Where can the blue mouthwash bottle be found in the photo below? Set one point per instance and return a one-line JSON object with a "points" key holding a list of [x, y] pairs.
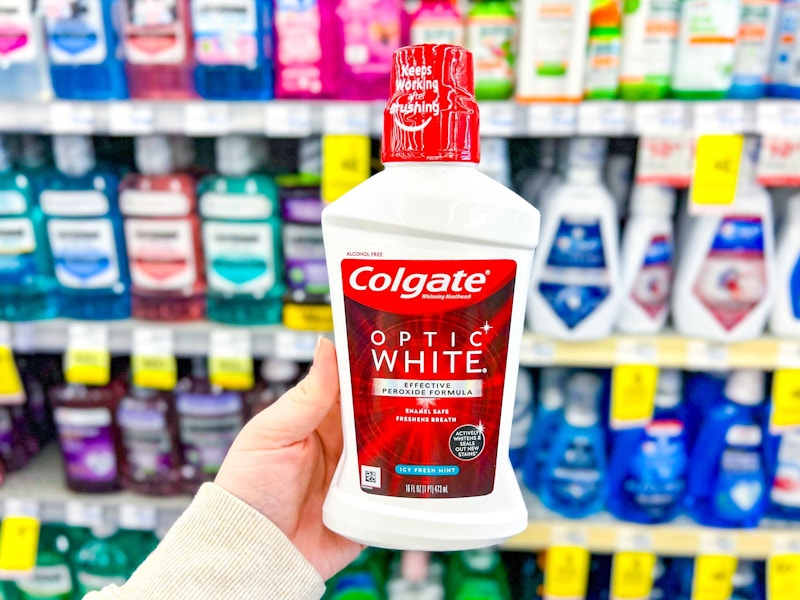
{"points": [[84, 49], [233, 49], [549, 417], [23, 61], [784, 467], [573, 480], [26, 275], [523, 418], [241, 237], [648, 467], [84, 228], [728, 480]]}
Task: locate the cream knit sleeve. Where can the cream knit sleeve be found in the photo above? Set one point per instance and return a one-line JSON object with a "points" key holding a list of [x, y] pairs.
{"points": [[221, 548]]}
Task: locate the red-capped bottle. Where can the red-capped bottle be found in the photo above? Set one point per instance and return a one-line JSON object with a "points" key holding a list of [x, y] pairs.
{"points": [[429, 264]]}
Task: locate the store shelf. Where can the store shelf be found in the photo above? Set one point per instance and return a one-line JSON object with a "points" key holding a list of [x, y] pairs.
{"points": [[295, 119]]}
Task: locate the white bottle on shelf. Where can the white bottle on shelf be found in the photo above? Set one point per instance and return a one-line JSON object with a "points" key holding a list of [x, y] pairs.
{"points": [[647, 254], [24, 70], [785, 318], [575, 282], [725, 277]]}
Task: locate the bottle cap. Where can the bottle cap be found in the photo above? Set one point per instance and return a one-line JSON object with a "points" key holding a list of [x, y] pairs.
{"points": [[581, 405], [668, 394], [585, 158], [652, 199], [745, 386], [432, 114], [278, 370], [414, 565], [239, 155], [73, 154], [153, 155]]}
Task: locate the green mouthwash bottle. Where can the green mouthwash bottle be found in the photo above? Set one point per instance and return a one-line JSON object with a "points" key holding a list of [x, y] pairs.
{"points": [[491, 34], [51, 578], [100, 561], [478, 575], [241, 237]]}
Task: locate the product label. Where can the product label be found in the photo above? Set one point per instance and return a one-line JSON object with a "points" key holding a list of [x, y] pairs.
{"points": [[785, 66], [87, 443], [75, 31], [576, 480], [145, 435], [437, 31], [575, 279], [371, 30], [656, 481], [12, 203], [786, 484], [161, 253], [491, 40], [299, 209], [84, 252], [553, 31], [651, 288], [51, 582], [299, 52], [755, 40], [304, 255], [225, 32], [428, 343], [240, 257], [740, 471], [208, 425], [154, 31], [733, 278], [649, 41], [17, 244], [91, 582], [16, 32], [602, 64]]}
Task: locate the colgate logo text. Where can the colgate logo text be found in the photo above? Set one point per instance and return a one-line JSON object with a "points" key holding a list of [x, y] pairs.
{"points": [[411, 285]]}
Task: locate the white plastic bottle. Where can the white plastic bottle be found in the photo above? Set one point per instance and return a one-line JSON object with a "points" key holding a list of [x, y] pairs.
{"points": [[24, 71], [647, 253], [725, 278], [552, 49], [785, 318], [428, 264], [575, 281]]}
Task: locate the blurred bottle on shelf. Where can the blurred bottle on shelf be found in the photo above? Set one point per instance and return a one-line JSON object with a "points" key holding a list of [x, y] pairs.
{"points": [[603, 51], [784, 81], [278, 376], [549, 416], [492, 39], [436, 22], [24, 74], [755, 44]]}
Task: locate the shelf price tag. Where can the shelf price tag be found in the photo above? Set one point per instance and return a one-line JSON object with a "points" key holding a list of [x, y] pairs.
{"points": [[498, 119], [552, 119], [779, 161], [87, 359], [288, 119], [633, 393], [665, 159], [11, 390], [783, 576], [660, 117], [713, 577], [138, 517], [153, 363], [83, 514], [230, 359], [603, 118], [131, 118], [19, 537], [295, 345], [785, 411], [345, 163], [71, 118], [632, 575], [566, 572], [206, 118], [716, 171]]}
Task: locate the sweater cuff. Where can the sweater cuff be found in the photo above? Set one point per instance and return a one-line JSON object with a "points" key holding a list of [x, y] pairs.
{"points": [[223, 548]]}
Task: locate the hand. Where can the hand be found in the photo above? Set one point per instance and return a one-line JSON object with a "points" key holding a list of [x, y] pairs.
{"points": [[283, 461]]}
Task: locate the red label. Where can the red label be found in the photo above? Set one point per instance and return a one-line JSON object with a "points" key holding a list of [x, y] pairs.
{"points": [[428, 344]]}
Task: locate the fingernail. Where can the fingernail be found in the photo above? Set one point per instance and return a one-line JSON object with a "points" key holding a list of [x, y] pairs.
{"points": [[317, 349]]}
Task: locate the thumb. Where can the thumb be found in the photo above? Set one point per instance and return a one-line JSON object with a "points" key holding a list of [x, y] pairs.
{"points": [[302, 409]]}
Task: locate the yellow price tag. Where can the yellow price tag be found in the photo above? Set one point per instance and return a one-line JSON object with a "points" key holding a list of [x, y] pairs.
{"points": [[11, 390], [87, 360], [154, 372], [783, 576], [566, 572], [19, 540], [345, 163], [716, 169], [713, 577], [633, 394], [785, 413], [308, 317], [632, 575], [230, 361]]}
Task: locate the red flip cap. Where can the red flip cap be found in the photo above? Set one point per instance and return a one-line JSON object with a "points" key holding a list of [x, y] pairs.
{"points": [[432, 114]]}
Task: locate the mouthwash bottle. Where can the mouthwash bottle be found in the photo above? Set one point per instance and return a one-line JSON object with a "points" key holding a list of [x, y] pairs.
{"points": [[603, 51], [27, 285], [84, 230], [307, 305], [491, 36], [436, 22], [17, 443], [755, 45], [100, 561], [648, 466], [549, 416], [233, 49], [51, 578], [241, 238], [209, 419], [23, 60], [362, 579], [783, 72], [162, 231], [89, 435], [157, 39], [478, 575], [152, 459], [573, 480], [84, 49], [523, 418], [278, 375], [136, 534]]}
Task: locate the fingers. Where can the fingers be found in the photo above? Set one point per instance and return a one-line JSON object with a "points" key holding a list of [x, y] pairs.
{"points": [[301, 410]]}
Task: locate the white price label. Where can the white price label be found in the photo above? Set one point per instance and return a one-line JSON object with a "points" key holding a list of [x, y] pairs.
{"points": [[295, 345], [536, 350], [288, 119], [153, 341], [69, 118], [230, 359], [346, 118], [777, 117], [666, 160], [138, 517], [660, 118], [206, 118], [5, 334], [552, 119], [779, 161], [603, 118], [231, 343], [20, 507], [788, 355], [717, 543], [719, 117], [637, 352], [631, 539], [498, 119], [87, 359], [564, 535], [83, 514], [130, 118], [707, 355], [87, 336]]}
